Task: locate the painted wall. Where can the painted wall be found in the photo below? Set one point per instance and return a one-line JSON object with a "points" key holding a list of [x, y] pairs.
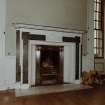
{"points": [[2, 26], [61, 13], [7, 72], [5, 63], [88, 60]]}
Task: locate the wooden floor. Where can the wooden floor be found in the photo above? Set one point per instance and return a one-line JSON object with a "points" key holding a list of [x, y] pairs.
{"points": [[95, 96]]}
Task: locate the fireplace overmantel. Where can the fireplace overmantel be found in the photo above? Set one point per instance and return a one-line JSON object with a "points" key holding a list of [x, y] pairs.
{"points": [[29, 36]]}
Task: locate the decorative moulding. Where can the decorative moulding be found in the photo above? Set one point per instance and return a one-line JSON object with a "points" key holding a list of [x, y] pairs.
{"points": [[47, 28]]}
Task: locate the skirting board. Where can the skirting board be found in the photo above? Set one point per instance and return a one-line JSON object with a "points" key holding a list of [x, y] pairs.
{"points": [[21, 86], [78, 82], [10, 86], [18, 85], [7, 87]]}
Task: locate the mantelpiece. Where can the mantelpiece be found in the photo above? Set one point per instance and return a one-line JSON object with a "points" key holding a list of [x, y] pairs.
{"points": [[28, 37]]}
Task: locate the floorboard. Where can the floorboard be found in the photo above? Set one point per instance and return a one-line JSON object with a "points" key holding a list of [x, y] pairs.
{"points": [[94, 96]]}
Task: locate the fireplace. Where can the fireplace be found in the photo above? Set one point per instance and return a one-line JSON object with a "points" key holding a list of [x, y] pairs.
{"points": [[47, 56], [48, 67]]}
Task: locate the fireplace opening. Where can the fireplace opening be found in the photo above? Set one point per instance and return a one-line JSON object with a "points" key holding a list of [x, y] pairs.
{"points": [[49, 65]]}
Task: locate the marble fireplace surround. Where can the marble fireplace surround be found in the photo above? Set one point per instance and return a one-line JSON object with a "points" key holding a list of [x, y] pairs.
{"points": [[29, 36]]}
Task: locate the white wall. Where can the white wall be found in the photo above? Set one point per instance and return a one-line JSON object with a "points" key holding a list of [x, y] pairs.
{"points": [[2, 26], [88, 60], [59, 13], [7, 64], [7, 72]]}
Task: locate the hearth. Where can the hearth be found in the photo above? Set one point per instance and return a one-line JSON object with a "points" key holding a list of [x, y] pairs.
{"points": [[49, 68]]}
